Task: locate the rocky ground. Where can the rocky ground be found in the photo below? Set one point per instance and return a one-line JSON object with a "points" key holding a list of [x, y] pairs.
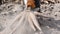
{"points": [[49, 19]]}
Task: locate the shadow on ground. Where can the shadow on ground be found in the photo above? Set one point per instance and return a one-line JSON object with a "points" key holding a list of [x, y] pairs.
{"points": [[49, 25]]}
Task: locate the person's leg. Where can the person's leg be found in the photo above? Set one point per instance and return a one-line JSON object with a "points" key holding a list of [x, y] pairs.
{"points": [[0, 2], [37, 3], [25, 4]]}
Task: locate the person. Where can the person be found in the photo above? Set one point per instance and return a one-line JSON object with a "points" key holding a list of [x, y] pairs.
{"points": [[31, 4], [0, 2], [34, 4], [37, 4]]}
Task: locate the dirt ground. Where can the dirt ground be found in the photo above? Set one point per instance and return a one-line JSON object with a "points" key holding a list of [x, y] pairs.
{"points": [[49, 19]]}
